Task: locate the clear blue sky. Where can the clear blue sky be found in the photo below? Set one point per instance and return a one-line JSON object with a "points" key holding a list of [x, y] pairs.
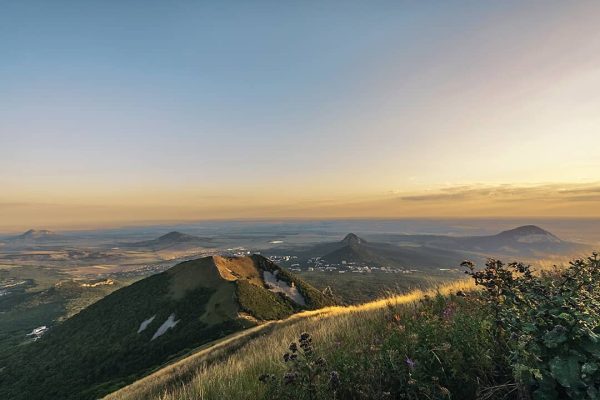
{"points": [[117, 100]]}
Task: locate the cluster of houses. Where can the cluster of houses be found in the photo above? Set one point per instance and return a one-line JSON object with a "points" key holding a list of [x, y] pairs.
{"points": [[10, 283], [316, 264], [290, 262], [107, 282], [358, 268]]}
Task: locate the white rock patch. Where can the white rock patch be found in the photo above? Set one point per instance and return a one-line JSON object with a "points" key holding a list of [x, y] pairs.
{"points": [[277, 286], [169, 323], [145, 324]]}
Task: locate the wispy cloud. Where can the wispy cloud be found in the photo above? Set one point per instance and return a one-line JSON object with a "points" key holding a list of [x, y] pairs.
{"points": [[509, 193]]}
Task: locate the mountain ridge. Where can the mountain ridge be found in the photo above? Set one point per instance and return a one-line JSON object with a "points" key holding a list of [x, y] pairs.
{"points": [[141, 326]]}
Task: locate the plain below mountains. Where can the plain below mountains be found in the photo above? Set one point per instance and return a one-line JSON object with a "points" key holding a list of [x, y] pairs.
{"points": [[140, 327]]}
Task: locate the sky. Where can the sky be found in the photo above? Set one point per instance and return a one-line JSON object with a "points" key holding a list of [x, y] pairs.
{"points": [[131, 111]]}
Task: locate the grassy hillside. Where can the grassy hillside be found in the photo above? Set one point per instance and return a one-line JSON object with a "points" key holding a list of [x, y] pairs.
{"points": [[231, 369], [123, 336], [525, 335], [356, 288]]}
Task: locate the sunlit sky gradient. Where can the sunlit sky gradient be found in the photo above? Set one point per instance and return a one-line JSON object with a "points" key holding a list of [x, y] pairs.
{"points": [[129, 111]]}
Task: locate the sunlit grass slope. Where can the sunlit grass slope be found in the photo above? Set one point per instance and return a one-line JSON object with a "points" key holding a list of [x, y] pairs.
{"points": [[231, 367]]}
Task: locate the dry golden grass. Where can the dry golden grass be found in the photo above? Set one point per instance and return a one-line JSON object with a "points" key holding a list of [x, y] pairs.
{"points": [[234, 268], [229, 368]]}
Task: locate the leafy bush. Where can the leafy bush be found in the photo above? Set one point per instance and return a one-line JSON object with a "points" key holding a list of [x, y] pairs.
{"points": [[550, 324]]}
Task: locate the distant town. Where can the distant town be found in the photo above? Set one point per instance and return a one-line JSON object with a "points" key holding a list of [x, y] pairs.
{"points": [[316, 264]]}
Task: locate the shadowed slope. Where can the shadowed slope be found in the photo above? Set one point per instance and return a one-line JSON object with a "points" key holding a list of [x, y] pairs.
{"points": [[139, 327]]}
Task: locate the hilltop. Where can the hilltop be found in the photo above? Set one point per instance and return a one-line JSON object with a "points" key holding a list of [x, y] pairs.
{"points": [[353, 239], [141, 326], [528, 234]]}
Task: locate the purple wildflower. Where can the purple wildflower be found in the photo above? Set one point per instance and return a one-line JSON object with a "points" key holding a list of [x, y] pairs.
{"points": [[448, 313]]}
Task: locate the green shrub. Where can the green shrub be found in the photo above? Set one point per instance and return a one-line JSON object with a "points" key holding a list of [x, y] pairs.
{"points": [[550, 324]]}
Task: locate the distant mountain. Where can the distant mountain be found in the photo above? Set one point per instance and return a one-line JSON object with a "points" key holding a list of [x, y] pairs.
{"points": [[523, 241], [33, 236], [172, 241], [139, 327], [358, 250], [528, 234]]}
